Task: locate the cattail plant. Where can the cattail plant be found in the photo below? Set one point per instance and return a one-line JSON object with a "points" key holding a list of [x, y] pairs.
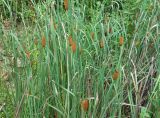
{"points": [[121, 41], [43, 41], [73, 47], [66, 5], [85, 105], [115, 75]]}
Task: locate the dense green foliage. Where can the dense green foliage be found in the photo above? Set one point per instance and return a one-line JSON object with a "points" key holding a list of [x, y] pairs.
{"points": [[5, 101], [106, 52]]}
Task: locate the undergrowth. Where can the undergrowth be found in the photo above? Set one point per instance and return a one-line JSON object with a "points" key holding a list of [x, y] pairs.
{"points": [[88, 59]]}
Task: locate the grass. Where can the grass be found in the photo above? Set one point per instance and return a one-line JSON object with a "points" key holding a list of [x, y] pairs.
{"points": [[84, 62], [6, 109]]}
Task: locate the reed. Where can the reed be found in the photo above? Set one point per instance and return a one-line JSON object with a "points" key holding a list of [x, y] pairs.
{"points": [[85, 67]]}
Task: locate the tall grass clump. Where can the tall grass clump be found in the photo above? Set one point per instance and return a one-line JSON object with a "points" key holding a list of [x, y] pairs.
{"points": [[85, 59]]}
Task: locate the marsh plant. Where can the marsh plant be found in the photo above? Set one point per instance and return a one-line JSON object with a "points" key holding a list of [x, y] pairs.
{"points": [[76, 59]]}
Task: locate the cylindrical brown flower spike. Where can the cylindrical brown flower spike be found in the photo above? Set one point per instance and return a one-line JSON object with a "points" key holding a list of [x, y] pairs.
{"points": [[66, 5], [121, 41], [85, 104], [43, 42], [115, 75], [73, 46]]}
